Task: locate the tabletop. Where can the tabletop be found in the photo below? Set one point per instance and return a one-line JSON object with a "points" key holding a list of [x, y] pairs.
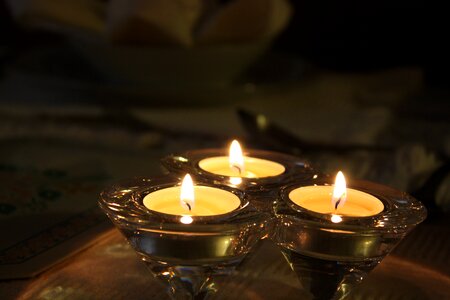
{"points": [[111, 270]]}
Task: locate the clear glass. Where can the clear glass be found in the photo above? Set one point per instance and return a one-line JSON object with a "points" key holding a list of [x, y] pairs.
{"points": [[331, 258], [264, 190], [190, 259]]}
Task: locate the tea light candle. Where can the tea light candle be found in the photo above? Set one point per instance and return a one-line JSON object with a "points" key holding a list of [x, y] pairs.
{"points": [[336, 200], [190, 200], [237, 165]]}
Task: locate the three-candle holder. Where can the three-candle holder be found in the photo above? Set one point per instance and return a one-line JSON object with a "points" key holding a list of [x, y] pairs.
{"points": [[192, 254]]}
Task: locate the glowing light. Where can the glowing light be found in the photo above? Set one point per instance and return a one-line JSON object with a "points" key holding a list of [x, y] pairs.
{"points": [[236, 158], [186, 219], [262, 122], [235, 180], [339, 192], [336, 219], [187, 197]]}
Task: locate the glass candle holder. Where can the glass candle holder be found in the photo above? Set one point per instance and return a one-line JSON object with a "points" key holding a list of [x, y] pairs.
{"points": [[191, 254], [332, 254], [271, 171]]}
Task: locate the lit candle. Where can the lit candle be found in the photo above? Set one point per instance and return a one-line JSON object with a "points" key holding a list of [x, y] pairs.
{"points": [[189, 200], [336, 200], [333, 236], [155, 215], [238, 165]]}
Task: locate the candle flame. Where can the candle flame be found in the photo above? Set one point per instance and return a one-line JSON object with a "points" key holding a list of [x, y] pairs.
{"points": [[339, 191], [187, 197], [236, 158]]}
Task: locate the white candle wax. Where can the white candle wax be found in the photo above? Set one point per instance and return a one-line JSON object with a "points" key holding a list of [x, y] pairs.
{"points": [[209, 201], [318, 199], [254, 167]]}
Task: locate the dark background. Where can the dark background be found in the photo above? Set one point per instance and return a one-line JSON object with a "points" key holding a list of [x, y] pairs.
{"points": [[344, 35]]}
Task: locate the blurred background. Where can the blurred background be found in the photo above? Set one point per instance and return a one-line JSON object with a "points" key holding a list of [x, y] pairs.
{"points": [[94, 91]]}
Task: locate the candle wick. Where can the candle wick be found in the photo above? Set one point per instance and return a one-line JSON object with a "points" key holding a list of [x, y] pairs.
{"points": [[238, 168], [188, 205], [336, 205]]}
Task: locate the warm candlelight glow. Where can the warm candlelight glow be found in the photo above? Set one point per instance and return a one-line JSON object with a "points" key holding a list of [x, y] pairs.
{"points": [[187, 197], [340, 191], [336, 218], [189, 201], [186, 219], [236, 158], [236, 166], [235, 180], [317, 198]]}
